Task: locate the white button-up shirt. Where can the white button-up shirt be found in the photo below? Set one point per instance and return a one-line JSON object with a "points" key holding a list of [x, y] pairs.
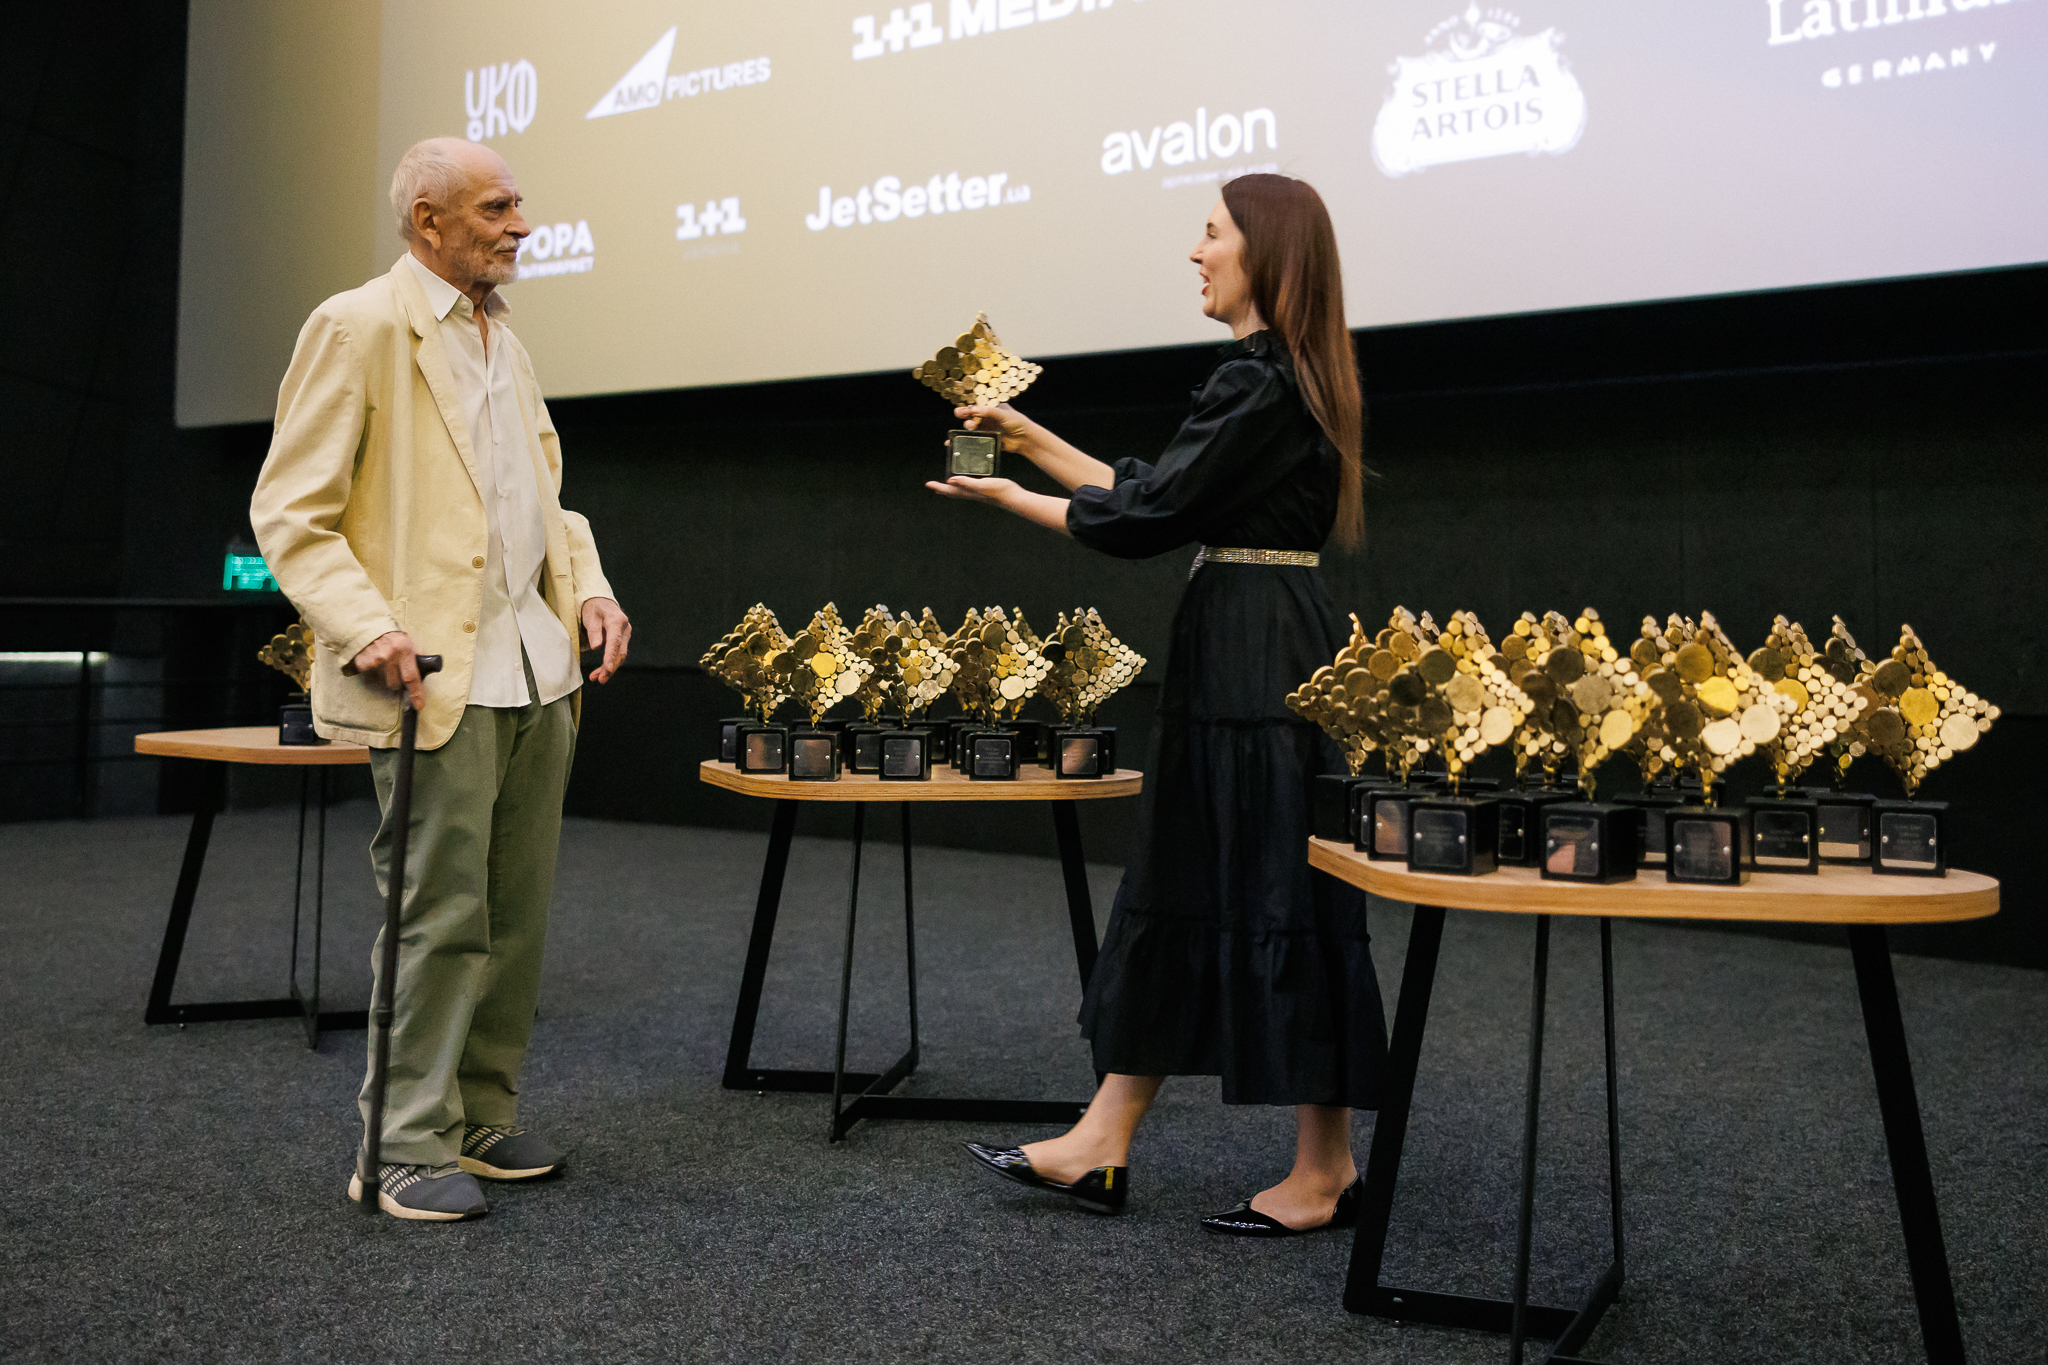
{"points": [[513, 612]]}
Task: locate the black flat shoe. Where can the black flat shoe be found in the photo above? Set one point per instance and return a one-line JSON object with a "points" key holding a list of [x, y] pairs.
{"points": [[1246, 1221], [1102, 1189]]}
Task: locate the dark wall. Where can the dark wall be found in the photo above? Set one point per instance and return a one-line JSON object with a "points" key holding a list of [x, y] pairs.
{"points": [[1873, 450]]}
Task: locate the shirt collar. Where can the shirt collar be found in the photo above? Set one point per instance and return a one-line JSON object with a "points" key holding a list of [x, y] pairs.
{"points": [[442, 296], [1255, 343]]}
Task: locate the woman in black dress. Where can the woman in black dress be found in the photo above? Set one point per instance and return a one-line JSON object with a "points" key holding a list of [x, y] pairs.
{"points": [[1225, 954]]}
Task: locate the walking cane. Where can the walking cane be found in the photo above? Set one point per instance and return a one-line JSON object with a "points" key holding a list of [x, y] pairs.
{"points": [[387, 972]]}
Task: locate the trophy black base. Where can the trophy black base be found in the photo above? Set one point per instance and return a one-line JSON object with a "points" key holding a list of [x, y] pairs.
{"points": [[906, 755], [1031, 739], [861, 746], [1784, 833], [1453, 834], [1911, 838], [1846, 821], [1383, 826], [1077, 753], [1653, 809], [1049, 757], [295, 723], [978, 454], [761, 748], [1519, 840], [814, 755], [728, 737], [1329, 808], [992, 755], [1589, 841], [949, 730], [1708, 845], [1357, 803]]}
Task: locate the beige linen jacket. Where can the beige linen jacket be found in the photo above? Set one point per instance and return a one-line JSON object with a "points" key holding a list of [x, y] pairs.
{"points": [[368, 510]]}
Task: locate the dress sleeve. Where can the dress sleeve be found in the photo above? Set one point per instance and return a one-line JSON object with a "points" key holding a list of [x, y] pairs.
{"points": [[1242, 438]]}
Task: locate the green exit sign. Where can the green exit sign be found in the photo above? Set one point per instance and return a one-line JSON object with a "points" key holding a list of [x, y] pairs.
{"points": [[246, 573]]}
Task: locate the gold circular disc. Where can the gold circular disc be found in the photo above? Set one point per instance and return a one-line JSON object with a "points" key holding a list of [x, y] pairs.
{"points": [[1719, 696], [1695, 663], [1959, 732], [1918, 706], [1617, 729], [1760, 724], [1496, 724], [1722, 738]]}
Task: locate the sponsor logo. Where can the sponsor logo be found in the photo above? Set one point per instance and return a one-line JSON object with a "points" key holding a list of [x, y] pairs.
{"points": [[1182, 143], [1818, 19], [500, 99], [1478, 90], [650, 81], [716, 216], [1837, 78], [558, 249], [916, 26], [889, 199]]}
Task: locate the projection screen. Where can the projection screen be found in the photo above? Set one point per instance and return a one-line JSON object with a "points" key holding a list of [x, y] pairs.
{"points": [[727, 192]]}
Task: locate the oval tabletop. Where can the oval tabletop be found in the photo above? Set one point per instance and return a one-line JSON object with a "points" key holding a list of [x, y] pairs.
{"points": [[1836, 895], [1032, 784], [249, 744]]}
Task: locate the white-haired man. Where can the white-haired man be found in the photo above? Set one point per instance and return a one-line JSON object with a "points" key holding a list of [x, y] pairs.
{"points": [[411, 501]]}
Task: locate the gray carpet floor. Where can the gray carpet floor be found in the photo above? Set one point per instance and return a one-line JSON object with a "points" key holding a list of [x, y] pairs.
{"points": [[177, 1194]]}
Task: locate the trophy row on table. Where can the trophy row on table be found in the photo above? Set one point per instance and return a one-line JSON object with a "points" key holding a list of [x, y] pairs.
{"points": [[1680, 701], [895, 669]]}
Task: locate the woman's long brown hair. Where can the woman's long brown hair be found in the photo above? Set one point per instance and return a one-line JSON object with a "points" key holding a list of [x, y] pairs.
{"points": [[1290, 260]]}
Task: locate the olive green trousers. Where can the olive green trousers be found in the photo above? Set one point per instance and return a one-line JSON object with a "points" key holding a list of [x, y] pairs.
{"points": [[479, 871]]}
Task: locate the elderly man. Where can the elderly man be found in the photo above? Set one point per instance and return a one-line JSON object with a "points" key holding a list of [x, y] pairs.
{"points": [[410, 501]]}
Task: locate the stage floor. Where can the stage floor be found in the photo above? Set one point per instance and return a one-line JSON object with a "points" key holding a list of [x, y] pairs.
{"points": [[178, 1194]]}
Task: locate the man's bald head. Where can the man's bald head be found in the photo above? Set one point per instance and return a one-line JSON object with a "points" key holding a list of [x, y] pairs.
{"points": [[439, 170], [457, 206]]}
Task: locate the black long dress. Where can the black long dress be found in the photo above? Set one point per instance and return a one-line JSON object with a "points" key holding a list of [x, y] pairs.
{"points": [[1226, 955]]}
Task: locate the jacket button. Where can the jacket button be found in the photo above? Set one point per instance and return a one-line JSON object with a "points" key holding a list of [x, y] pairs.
{"points": [[469, 627], [477, 563]]}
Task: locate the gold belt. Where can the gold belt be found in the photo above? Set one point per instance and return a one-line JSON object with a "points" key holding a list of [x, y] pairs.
{"points": [[1211, 554]]}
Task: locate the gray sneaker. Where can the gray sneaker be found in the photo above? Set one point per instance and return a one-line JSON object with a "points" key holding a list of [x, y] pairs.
{"points": [[498, 1152], [433, 1194]]}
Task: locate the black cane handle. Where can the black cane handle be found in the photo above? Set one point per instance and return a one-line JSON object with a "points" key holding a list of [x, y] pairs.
{"points": [[427, 663]]}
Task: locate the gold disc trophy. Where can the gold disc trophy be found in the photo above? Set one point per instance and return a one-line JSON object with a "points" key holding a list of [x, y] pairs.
{"points": [[976, 369], [1086, 666], [1475, 707], [1334, 698], [999, 669], [1585, 703], [291, 653], [1706, 709], [1785, 829], [1922, 718], [744, 660], [822, 669]]}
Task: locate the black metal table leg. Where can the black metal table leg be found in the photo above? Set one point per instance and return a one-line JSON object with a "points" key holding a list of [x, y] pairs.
{"points": [[1363, 1290], [1518, 1327], [1080, 910], [909, 935], [858, 1095], [160, 1009], [1919, 1218], [740, 1073]]}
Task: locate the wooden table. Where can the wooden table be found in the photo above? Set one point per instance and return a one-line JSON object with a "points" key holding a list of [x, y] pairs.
{"points": [[255, 744], [874, 1099], [1850, 896]]}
